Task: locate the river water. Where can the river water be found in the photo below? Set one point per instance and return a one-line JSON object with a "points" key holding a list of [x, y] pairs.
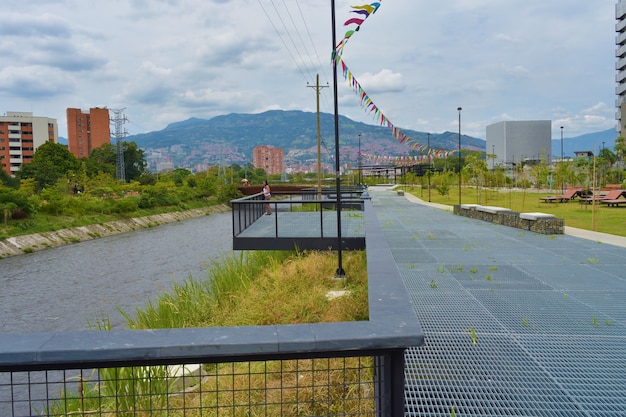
{"points": [[65, 288]]}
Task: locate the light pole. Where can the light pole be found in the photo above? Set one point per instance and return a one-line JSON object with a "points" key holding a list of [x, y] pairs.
{"points": [[429, 167], [459, 160], [493, 159], [562, 179], [359, 162]]}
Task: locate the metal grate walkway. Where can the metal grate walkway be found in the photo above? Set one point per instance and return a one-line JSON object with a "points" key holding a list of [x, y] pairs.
{"points": [[516, 323]]}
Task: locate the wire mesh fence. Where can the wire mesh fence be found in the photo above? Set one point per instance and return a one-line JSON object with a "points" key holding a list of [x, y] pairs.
{"points": [[299, 387]]}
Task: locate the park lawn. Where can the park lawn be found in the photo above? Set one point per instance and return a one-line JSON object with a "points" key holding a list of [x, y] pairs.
{"points": [[597, 217]]}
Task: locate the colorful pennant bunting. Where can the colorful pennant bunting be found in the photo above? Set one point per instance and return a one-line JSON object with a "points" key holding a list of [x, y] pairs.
{"points": [[364, 11]]}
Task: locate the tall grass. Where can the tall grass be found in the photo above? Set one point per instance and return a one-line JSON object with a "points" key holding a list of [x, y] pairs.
{"points": [[251, 288]]}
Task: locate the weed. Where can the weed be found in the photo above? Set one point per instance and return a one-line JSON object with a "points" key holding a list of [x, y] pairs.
{"points": [[442, 269], [489, 278], [28, 249], [524, 322], [472, 332], [493, 268], [474, 270], [411, 266], [594, 261], [595, 320], [433, 284]]}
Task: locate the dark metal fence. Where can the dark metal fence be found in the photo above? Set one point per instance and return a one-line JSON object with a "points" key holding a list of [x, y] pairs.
{"points": [[304, 220], [317, 369]]}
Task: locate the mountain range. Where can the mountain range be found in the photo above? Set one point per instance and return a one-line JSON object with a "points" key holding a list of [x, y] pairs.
{"points": [[227, 139]]}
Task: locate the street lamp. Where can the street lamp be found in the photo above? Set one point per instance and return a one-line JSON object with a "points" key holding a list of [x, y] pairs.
{"points": [[360, 169], [459, 161], [429, 166], [562, 179]]}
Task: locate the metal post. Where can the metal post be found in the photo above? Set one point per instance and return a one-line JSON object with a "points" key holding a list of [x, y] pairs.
{"points": [[340, 272], [360, 167], [563, 178], [459, 161], [429, 166]]}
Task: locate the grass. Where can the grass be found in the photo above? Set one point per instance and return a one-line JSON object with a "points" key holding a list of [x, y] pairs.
{"points": [[252, 288], [45, 222], [599, 218]]}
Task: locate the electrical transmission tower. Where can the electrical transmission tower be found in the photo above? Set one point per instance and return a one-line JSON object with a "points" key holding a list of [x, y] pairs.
{"points": [[120, 133]]}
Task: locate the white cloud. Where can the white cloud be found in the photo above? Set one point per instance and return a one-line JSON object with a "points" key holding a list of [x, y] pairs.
{"points": [[419, 61]]}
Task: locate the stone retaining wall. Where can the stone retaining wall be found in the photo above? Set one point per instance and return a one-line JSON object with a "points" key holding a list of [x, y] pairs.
{"points": [[29, 243], [546, 226]]}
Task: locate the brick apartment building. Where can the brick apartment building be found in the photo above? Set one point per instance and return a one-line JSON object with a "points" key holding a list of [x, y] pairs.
{"points": [[21, 134], [87, 130], [269, 158]]}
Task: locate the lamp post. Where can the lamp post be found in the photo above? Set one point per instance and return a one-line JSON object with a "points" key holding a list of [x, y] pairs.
{"points": [[359, 162], [459, 160], [429, 167], [340, 273], [493, 159], [562, 179]]}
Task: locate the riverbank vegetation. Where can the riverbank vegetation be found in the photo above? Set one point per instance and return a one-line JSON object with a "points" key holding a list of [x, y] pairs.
{"points": [[57, 190], [251, 288]]}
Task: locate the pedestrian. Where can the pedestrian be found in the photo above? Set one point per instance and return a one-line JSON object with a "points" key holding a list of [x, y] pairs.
{"points": [[267, 195]]}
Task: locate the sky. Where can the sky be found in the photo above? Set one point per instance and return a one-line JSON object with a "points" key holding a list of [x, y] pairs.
{"points": [[165, 61]]}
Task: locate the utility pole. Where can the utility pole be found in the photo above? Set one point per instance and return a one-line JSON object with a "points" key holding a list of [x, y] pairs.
{"points": [[318, 88], [120, 133]]}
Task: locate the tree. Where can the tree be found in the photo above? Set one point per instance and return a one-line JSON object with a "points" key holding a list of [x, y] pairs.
{"points": [[620, 148], [51, 162], [134, 161], [104, 159]]}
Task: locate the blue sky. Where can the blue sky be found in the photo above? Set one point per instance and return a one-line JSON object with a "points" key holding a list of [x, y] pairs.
{"points": [[168, 60]]}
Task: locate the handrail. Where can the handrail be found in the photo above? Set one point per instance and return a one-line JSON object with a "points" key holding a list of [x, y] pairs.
{"points": [[392, 327]]}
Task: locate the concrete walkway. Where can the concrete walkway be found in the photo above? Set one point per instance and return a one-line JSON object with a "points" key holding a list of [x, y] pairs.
{"points": [[515, 323]]}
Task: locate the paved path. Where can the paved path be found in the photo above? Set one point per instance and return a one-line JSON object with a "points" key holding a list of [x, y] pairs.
{"points": [[516, 323]]}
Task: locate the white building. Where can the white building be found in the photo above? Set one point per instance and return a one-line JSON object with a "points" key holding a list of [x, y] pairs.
{"points": [[21, 134], [515, 141]]}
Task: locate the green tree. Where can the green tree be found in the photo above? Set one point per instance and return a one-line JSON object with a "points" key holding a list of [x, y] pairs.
{"points": [[51, 162], [134, 161], [104, 159]]}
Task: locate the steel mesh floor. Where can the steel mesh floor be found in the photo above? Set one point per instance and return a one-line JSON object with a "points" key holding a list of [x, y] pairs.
{"points": [[516, 323]]}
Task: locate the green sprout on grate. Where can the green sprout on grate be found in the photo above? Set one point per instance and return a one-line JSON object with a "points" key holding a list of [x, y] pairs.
{"points": [[472, 332], [433, 283]]}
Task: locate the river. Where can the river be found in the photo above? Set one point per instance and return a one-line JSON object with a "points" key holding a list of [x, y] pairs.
{"points": [[68, 287]]}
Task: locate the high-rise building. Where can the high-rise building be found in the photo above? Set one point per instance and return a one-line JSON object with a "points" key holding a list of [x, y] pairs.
{"points": [[269, 158], [514, 141], [620, 66], [87, 130], [20, 134]]}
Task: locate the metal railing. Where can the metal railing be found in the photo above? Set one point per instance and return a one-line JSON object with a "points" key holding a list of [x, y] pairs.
{"points": [[352, 368], [247, 210]]}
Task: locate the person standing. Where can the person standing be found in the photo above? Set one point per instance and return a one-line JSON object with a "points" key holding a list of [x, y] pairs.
{"points": [[267, 195]]}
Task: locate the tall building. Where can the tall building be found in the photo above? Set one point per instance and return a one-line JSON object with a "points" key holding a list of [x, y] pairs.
{"points": [[20, 134], [87, 130], [514, 141], [620, 66], [269, 158]]}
